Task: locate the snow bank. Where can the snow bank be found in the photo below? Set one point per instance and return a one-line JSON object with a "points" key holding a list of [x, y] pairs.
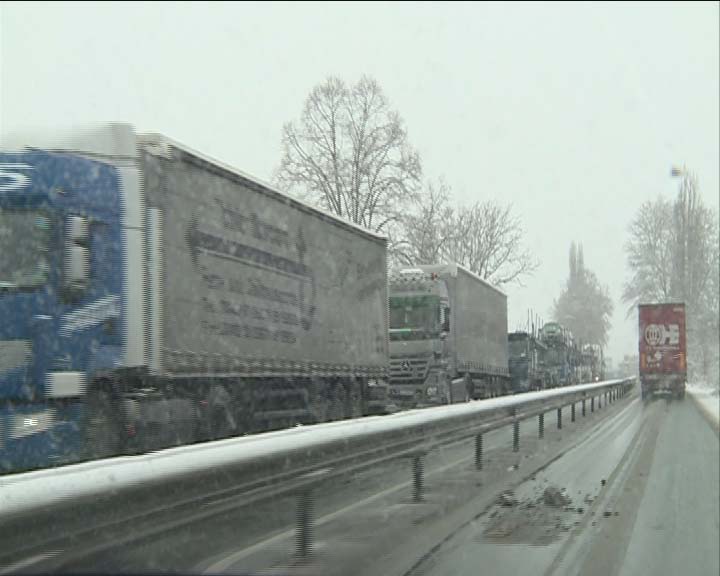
{"points": [[708, 400]]}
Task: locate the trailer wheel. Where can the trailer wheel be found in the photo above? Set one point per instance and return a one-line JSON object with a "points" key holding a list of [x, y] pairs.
{"points": [[469, 388], [220, 424], [336, 403], [355, 399], [103, 435], [222, 421]]}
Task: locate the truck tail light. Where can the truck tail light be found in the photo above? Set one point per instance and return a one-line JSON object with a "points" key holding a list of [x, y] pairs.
{"points": [[642, 361], [681, 361]]}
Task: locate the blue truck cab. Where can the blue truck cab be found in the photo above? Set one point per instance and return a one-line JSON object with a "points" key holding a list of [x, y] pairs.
{"points": [[70, 222]]}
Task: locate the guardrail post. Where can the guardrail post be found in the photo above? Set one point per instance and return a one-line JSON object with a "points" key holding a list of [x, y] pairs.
{"points": [[572, 412], [417, 477], [304, 523], [559, 418], [478, 451], [516, 432], [541, 425], [304, 517], [583, 407]]}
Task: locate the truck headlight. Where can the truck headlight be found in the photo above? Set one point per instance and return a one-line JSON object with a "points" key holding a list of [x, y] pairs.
{"points": [[431, 391]]}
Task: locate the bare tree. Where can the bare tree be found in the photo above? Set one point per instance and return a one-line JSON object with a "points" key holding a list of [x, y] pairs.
{"points": [[649, 252], [428, 227], [488, 240], [672, 254], [694, 236], [584, 305], [670, 251], [485, 237], [349, 154], [707, 326]]}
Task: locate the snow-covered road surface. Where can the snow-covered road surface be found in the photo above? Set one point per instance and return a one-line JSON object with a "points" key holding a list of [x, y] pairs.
{"points": [[708, 399], [631, 488]]}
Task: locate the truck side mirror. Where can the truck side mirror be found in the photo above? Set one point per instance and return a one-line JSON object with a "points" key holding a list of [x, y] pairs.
{"points": [[76, 272], [77, 229], [77, 267]]}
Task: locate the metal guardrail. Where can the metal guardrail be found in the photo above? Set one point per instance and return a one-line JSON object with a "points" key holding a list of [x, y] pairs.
{"points": [[101, 503]]}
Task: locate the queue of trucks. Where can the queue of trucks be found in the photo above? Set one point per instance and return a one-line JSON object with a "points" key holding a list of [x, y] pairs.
{"points": [[151, 296], [551, 357]]}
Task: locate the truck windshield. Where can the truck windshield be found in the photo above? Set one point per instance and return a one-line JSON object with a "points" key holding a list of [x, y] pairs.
{"points": [[24, 239], [415, 313], [551, 329], [518, 347], [555, 356]]}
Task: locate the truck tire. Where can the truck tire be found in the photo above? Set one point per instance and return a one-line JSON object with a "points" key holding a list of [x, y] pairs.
{"points": [[355, 399], [680, 394], [103, 430], [222, 419], [417, 399], [469, 388], [220, 424], [336, 403]]}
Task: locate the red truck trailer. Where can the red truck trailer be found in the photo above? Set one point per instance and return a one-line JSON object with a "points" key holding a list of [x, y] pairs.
{"points": [[662, 347]]}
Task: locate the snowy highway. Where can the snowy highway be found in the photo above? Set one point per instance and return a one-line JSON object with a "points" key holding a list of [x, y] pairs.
{"points": [[630, 488], [351, 289], [657, 512]]}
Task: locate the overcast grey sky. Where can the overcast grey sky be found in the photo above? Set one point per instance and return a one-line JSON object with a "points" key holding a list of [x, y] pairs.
{"points": [[574, 113]]}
